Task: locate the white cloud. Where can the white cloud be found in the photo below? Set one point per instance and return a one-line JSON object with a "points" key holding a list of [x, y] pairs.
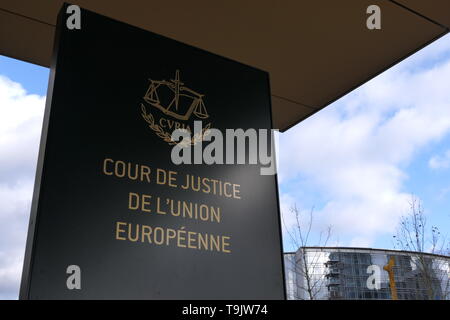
{"points": [[20, 127], [355, 153], [440, 161]]}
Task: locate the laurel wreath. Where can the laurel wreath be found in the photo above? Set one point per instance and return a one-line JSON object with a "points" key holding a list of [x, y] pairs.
{"points": [[167, 137]]}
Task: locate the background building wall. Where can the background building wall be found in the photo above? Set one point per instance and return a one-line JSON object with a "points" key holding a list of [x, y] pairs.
{"points": [[343, 273]]}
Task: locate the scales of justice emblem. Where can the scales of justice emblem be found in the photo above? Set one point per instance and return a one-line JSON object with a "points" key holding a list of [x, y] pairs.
{"points": [[179, 105]]}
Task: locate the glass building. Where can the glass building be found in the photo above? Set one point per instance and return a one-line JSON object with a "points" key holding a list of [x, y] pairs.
{"points": [[359, 273]]}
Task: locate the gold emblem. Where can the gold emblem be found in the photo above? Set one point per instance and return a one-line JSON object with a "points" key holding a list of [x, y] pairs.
{"points": [[178, 106]]}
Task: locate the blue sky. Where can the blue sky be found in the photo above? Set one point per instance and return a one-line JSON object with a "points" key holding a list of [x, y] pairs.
{"points": [[33, 78], [356, 162]]}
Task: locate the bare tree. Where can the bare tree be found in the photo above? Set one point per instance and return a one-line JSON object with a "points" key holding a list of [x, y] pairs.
{"points": [[309, 270], [414, 235]]}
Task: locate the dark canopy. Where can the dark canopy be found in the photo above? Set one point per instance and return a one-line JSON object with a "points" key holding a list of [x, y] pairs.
{"points": [[315, 50]]}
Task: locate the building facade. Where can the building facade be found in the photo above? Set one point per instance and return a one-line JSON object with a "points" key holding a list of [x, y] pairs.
{"points": [[326, 273]]}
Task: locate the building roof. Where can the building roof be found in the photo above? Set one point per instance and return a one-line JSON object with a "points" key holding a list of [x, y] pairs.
{"points": [[316, 51], [371, 249]]}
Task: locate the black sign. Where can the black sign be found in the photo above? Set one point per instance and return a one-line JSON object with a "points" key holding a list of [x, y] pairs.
{"points": [[112, 216]]}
